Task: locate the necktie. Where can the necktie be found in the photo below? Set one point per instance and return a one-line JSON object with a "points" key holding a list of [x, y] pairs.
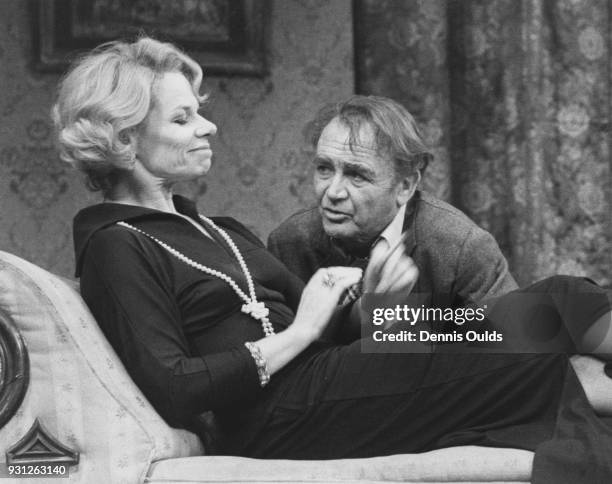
{"points": [[355, 291]]}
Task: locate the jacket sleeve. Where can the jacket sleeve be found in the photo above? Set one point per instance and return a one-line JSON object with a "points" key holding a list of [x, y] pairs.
{"points": [[275, 245], [128, 287], [294, 250], [482, 270]]}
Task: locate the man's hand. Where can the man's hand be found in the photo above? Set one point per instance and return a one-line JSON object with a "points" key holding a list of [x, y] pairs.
{"points": [[390, 271]]}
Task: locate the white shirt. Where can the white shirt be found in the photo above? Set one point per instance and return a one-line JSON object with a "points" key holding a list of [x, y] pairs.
{"points": [[393, 232]]}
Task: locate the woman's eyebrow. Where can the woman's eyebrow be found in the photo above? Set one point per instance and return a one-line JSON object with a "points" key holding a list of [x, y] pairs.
{"points": [[185, 107]]}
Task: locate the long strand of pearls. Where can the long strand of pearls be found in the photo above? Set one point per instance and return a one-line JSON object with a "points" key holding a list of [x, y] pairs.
{"points": [[252, 307]]}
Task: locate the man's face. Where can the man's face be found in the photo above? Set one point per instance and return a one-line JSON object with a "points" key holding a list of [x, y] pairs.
{"points": [[357, 190]]}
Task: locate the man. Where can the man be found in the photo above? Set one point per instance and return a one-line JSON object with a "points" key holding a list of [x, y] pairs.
{"points": [[368, 163]]}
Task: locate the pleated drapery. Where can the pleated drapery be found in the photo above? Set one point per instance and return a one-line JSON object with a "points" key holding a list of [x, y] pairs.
{"points": [[515, 97]]}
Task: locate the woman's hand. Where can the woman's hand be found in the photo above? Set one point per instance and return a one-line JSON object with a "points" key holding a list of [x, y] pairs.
{"points": [[318, 302], [320, 298]]}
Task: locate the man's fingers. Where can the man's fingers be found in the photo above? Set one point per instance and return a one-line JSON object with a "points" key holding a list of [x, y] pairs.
{"points": [[400, 276], [382, 262], [375, 266], [398, 249], [405, 282], [395, 262]]}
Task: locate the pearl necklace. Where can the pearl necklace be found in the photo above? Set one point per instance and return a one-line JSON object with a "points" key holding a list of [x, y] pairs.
{"points": [[256, 309]]}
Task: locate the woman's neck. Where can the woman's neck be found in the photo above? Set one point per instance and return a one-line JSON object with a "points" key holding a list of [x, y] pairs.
{"points": [[154, 199]]}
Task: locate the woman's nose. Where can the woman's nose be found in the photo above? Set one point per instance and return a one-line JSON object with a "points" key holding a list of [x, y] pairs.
{"points": [[206, 128]]}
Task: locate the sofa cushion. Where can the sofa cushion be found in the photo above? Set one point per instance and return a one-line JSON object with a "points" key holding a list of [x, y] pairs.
{"points": [[78, 388], [458, 464]]}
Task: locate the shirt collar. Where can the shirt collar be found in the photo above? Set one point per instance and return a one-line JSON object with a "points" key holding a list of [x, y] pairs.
{"points": [[96, 217], [331, 249], [393, 232]]}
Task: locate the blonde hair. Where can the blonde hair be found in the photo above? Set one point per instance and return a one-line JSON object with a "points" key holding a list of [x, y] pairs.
{"points": [[107, 92]]}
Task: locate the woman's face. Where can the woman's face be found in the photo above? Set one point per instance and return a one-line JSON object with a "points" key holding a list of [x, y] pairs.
{"points": [[172, 143]]}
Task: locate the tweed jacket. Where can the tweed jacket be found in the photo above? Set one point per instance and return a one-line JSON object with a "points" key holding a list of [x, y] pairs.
{"points": [[458, 261]]}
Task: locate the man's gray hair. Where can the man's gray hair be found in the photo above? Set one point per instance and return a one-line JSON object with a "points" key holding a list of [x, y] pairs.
{"points": [[395, 130]]}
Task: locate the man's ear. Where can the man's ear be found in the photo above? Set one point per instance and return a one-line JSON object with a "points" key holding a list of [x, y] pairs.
{"points": [[408, 186]]}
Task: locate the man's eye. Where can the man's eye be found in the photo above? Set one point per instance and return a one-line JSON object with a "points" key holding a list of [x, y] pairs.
{"points": [[180, 121], [357, 178], [323, 170]]}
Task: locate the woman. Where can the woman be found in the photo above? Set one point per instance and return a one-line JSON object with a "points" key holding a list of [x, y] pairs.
{"points": [[205, 319]]}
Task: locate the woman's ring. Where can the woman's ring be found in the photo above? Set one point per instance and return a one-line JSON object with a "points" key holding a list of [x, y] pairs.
{"points": [[328, 280]]}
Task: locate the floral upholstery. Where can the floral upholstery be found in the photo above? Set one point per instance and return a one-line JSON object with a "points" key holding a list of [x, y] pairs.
{"points": [[78, 387], [83, 396]]}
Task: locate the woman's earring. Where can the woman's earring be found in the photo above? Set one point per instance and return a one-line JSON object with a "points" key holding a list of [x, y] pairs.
{"points": [[132, 160]]}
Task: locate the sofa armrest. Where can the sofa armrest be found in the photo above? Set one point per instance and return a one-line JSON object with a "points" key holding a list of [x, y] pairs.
{"points": [[78, 387]]}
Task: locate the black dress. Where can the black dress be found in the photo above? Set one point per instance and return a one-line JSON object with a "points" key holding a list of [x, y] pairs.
{"points": [[180, 334]]}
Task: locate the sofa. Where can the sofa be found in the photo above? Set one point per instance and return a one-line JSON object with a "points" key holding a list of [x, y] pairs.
{"points": [[65, 398]]}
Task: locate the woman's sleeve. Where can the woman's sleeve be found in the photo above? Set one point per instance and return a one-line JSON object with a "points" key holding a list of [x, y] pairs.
{"points": [[129, 291]]}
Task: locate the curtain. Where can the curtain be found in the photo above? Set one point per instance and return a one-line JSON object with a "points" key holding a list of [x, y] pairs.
{"points": [[515, 96]]}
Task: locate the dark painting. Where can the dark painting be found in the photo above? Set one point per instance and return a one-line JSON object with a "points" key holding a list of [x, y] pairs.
{"points": [[225, 36]]}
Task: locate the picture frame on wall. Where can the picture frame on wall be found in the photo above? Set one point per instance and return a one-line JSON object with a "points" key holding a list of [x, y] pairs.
{"points": [[225, 36]]}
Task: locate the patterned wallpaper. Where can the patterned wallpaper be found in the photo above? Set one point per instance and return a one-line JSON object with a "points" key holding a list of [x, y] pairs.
{"points": [[260, 172], [513, 94]]}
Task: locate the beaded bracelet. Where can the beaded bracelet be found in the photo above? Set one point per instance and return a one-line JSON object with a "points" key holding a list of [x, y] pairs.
{"points": [[260, 362]]}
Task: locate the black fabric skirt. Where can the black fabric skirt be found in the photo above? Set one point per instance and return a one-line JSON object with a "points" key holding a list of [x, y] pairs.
{"points": [[338, 402]]}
